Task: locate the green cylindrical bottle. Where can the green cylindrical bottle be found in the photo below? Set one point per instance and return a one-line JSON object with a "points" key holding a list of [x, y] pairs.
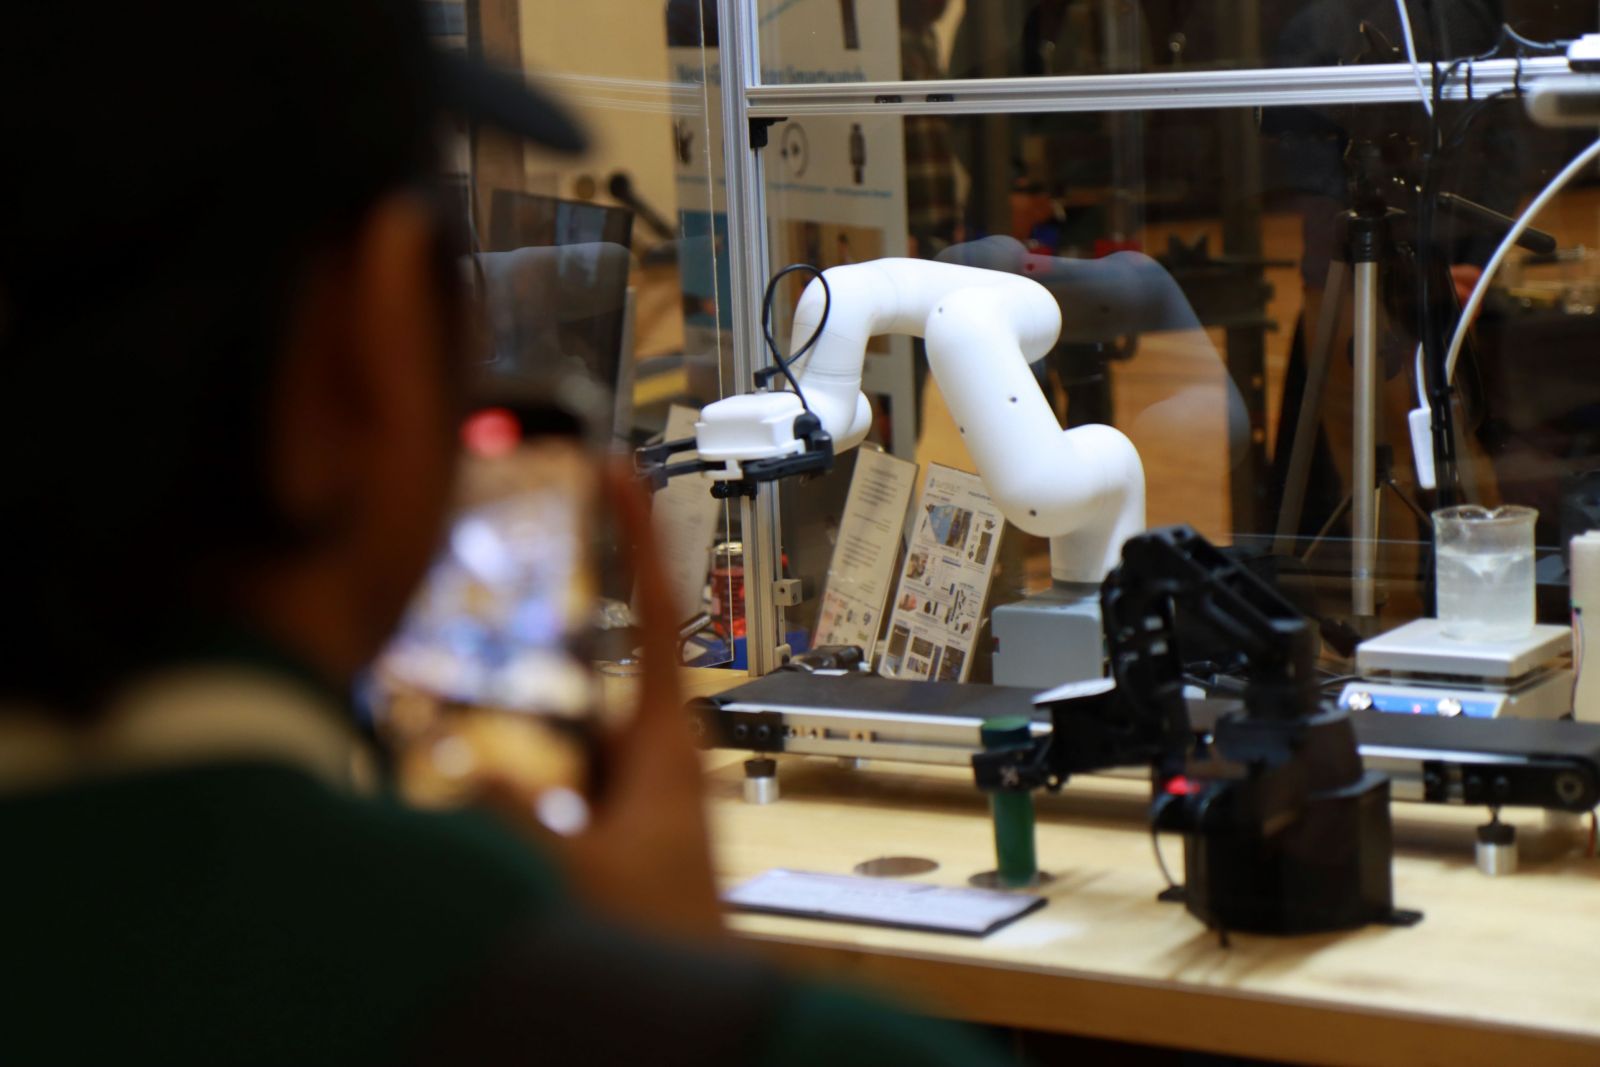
{"points": [[1016, 859]]}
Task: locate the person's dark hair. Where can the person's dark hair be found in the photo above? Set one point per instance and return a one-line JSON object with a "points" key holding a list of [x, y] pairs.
{"points": [[172, 172]]}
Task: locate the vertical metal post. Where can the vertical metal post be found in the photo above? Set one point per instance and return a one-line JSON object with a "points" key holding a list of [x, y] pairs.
{"points": [[1364, 444], [991, 185], [1246, 344], [1122, 46], [738, 36], [1241, 239]]}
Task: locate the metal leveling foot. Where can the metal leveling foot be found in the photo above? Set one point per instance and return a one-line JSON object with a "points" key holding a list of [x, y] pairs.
{"points": [[760, 780], [1497, 848]]}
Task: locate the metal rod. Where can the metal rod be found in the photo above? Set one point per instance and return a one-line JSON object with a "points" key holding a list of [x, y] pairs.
{"points": [[1364, 444], [629, 94], [1168, 90], [747, 247]]}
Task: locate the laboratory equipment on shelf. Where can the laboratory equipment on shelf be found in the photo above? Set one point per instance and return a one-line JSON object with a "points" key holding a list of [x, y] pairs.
{"points": [[1416, 669], [1484, 567], [1483, 657]]}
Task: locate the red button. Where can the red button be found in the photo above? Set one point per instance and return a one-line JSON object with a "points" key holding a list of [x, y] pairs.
{"points": [[491, 433]]}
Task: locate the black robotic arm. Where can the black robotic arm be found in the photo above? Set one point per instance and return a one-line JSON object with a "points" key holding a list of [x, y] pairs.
{"points": [[1284, 830]]}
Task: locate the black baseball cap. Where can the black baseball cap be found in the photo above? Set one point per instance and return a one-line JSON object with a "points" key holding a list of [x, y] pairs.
{"points": [[138, 135], [169, 173], [496, 97]]}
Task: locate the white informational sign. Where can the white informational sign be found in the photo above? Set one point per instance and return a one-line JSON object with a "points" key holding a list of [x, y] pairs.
{"points": [[835, 187], [862, 568], [842, 176], [686, 519], [955, 538]]}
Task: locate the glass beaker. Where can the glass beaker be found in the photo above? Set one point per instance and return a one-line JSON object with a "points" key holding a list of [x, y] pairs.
{"points": [[1484, 561]]}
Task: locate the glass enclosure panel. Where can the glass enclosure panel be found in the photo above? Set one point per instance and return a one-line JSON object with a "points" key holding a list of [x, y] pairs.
{"points": [[808, 41], [605, 275], [1241, 214]]}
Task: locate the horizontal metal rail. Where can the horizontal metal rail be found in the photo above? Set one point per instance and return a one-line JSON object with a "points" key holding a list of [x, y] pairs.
{"points": [[626, 94], [1171, 90]]}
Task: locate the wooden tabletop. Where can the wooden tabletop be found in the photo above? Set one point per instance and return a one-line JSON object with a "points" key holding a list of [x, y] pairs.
{"points": [[1499, 971]]}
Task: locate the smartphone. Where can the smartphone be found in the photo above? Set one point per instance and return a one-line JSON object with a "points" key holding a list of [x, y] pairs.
{"points": [[491, 671]]}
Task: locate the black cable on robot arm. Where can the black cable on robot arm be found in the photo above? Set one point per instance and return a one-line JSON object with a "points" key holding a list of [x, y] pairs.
{"points": [[827, 306], [1442, 145], [1435, 80], [1539, 46], [1427, 327], [784, 366], [1507, 36], [1443, 142]]}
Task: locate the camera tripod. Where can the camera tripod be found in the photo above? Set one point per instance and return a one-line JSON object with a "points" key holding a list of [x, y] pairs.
{"points": [[1378, 176], [1353, 280]]}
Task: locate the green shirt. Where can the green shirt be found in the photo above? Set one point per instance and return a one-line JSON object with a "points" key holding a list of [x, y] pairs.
{"points": [[222, 908]]}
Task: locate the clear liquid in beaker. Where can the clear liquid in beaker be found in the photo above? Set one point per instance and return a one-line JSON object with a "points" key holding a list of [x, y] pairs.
{"points": [[1485, 596]]}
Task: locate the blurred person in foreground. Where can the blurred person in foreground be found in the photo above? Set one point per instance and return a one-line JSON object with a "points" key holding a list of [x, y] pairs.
{"points": [[230, 336]]}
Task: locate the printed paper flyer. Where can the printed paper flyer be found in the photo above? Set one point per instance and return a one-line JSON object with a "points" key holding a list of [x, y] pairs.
{"points": [[939, 601], [862, 568]]}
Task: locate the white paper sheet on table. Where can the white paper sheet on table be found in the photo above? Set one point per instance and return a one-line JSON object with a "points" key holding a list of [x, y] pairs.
{"points": [[882, 902]]}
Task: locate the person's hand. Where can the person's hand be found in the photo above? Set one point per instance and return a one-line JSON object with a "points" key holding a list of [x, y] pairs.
{"points": [[645, 856]]}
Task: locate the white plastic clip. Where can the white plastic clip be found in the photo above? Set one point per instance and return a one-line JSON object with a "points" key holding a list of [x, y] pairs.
{"points": [[1421, 421]]}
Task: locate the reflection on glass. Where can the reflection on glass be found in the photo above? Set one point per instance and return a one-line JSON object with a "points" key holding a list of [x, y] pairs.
{"points": [[1243, 221], [1108, 301], [604, 279], [556, 316], [806, 41]]}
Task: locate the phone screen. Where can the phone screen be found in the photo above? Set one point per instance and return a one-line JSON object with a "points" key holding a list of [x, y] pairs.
{"points": [[490, 672]]}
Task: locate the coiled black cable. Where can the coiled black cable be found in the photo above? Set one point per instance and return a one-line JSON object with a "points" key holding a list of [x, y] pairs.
{"points": [[780, 364]]}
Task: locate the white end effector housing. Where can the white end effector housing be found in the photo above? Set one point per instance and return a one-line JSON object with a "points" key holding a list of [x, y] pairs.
{"points": [[1083, 488], [1570, 98]]}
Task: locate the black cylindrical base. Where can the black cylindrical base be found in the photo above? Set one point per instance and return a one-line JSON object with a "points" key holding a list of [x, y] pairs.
{"points": [[1328, 870]]}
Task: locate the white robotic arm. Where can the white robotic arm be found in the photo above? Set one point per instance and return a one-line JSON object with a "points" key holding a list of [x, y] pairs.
{"points": [[1083, 488], [897, 296]]}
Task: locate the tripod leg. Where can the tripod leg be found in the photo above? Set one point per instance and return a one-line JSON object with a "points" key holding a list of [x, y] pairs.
{"points": [[1411, 505], [1305, 427], [1377, 522], [1338, 512]]}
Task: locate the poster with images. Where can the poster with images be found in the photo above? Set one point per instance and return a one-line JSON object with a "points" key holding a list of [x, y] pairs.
{"points": [[933, 625], [862, 568], [836, 190]]}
